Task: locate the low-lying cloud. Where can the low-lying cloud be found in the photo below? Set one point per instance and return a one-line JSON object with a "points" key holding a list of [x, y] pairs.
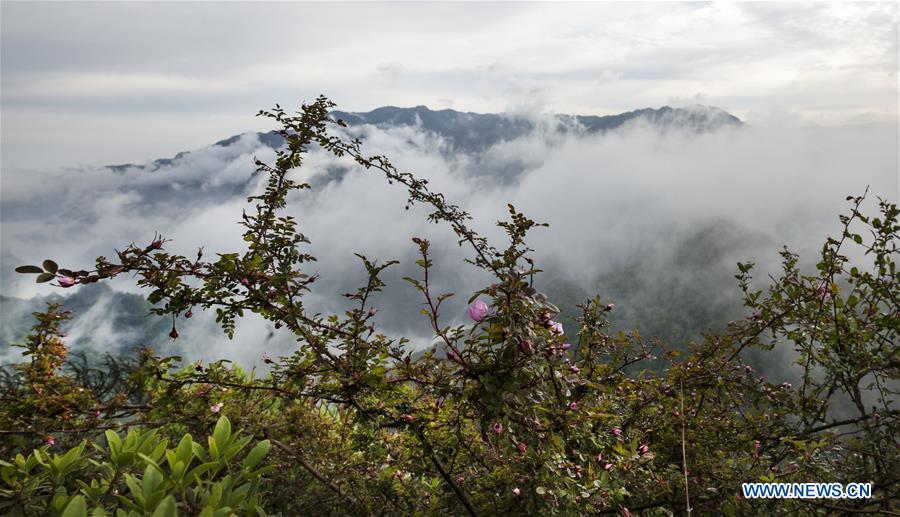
{"points": [[631, 212]]}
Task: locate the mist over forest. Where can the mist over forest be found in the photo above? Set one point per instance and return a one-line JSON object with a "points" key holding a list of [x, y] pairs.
{"points": [[651, 209]]}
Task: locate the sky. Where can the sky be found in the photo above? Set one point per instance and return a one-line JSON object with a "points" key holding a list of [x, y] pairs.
{"points": [[104, 83]]}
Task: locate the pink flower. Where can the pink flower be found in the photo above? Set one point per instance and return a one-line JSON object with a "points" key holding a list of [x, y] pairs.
{"points": [[556, 328], [625, 512], [599, 457], [65, 281], [407, 418], [643, 449], [497, 427], [574, 368], [478, 310], [215, 408], [51, 441], [189, 313], [608, 467], [516, 491], [616, 431], [521, 447], [573, 405], [245, 281], [610, 306], [564, 346]]}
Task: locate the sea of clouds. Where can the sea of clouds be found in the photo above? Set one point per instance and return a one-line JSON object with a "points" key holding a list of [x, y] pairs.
{"points": [[633, 199]]}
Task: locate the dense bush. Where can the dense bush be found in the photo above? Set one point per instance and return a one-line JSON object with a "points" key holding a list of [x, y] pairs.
{"points": [[512, 414]]}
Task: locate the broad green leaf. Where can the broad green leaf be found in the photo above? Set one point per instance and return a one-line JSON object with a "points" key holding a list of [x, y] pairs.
{"points": [[222, 432], [166, 508], [256, 454], [77, 507]]}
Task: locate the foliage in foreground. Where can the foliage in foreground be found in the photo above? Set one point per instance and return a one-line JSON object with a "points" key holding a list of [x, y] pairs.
{"points": [[514, 415], [138, 475]]}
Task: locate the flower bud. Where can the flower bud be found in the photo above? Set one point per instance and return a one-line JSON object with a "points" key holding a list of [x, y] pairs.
{"points": [[525, 347]]}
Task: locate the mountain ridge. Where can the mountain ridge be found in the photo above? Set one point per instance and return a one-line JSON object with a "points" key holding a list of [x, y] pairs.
{"points": [[476, 132]]}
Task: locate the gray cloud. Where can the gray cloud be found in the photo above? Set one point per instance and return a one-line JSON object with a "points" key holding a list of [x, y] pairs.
{"points": [[101, 81]]}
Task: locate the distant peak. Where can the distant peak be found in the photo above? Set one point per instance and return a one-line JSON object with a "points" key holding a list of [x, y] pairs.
{"points": [[475, 132]]}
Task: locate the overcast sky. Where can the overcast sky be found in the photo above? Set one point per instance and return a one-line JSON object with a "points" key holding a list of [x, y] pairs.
{"points": [[104, 83]]}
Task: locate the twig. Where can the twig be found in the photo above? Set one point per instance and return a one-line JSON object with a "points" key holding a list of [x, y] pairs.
{"points": [[309, 468], [687, 494]]}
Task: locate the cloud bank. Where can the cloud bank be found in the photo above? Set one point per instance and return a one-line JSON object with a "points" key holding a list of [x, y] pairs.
{"points": [[645, 217]]}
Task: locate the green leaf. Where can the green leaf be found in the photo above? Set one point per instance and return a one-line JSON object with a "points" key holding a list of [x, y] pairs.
{"points": [[29, 269], [153, 478], [114, 443], [222, 432], [185, 452], [256, 454], [77, 507], [166, 508], [50, 266], [45, 277]]}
